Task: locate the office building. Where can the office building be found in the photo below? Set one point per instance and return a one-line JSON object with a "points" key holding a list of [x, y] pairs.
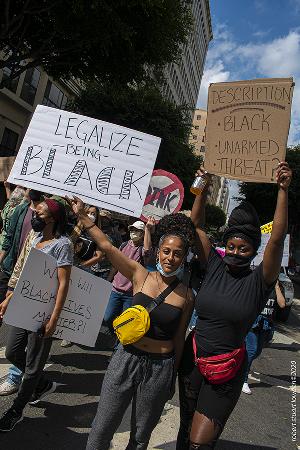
{"points": [[17, 104], [197, 137], [182, 80], [223, 196]]}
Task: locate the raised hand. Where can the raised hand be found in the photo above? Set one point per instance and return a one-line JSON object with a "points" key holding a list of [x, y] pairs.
{"points": [[77, 205], [150, 225], [283, 175], [203, 173]]}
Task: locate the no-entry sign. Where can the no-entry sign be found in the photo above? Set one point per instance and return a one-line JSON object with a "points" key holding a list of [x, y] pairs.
{"points": [[165, 195]]}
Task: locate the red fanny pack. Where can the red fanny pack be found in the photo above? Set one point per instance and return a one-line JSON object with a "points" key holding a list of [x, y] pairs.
{"points": [[220, 368]]}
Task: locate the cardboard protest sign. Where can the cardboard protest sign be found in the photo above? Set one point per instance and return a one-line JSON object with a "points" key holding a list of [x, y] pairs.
{"points": [[165, 195], [266, 228], [34, 298], [104, 164], [260, 253], [247, 128]]}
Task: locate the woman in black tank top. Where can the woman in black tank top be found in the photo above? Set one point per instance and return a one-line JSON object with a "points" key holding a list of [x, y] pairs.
{"points": [[145, 371], [230, 298]]}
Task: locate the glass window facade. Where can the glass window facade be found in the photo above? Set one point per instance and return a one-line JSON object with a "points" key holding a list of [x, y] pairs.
{"points": [[30, 85], [54, 97], [8, 143], [11, 84]]}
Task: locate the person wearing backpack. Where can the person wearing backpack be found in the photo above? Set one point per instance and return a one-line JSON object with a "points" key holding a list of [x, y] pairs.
{"points": [[122, 292]]}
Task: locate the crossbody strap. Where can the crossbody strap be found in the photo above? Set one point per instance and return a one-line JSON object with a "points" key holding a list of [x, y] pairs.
{"points": [[162, 296]]}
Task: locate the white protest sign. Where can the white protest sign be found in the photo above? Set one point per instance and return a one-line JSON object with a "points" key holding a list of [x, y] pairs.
{"points": [[84, 308], [68, 154], [260, 253], [34, 298], [165, 195]]}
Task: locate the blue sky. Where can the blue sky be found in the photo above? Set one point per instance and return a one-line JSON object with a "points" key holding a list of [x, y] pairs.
{"points": [[255, 39]]}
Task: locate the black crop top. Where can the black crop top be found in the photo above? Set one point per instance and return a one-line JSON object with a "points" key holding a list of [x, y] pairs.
{"points": [[164, 319]]}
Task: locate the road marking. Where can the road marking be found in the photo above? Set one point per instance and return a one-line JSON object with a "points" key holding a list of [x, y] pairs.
{"points": [[281, 338], [272, 381]]}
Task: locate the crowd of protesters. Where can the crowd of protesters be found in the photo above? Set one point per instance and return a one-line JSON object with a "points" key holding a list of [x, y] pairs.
{"points": [[174, 261]]}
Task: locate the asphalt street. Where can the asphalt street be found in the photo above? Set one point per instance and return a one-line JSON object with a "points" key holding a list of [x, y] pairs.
{"points": [[260, 421]]}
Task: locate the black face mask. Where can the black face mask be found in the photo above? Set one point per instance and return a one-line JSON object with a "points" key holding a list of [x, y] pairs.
{"points": [[238, 260], [37, 223]]}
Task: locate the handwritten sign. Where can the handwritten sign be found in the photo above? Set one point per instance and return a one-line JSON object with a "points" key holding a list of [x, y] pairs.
{"points": [[68, 154], [260, 253], [266, 228], [34, 298], [247, 128], [165, 195]]}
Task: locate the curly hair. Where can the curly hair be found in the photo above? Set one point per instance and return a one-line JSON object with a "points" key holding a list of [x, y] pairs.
{"points": [[179, 224]]}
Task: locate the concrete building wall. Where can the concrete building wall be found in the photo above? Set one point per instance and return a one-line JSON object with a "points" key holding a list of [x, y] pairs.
{"points": [[214, 190], [197, 137], [223, 196], [17, 105], [183, 80]]}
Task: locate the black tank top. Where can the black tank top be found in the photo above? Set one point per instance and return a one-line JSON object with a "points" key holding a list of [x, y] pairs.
{"points": [[164, 319]]}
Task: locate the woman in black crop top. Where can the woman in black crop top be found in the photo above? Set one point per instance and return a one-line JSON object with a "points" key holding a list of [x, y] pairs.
{"points": [[230, 298], [144, 372]]}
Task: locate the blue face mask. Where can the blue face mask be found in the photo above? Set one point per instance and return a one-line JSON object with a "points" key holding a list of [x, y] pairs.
{"points": [[178, 272]]}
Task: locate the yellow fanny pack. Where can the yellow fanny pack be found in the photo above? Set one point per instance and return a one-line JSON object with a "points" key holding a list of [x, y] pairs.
{"points": [[134, 322]]}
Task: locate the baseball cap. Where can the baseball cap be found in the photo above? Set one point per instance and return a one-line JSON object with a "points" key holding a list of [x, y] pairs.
{"points": [[105, 213], [138, 225]]}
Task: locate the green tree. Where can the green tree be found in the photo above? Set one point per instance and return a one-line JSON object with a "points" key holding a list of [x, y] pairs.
{"points": [[143, 108], [215, 217], [263, 196], [120, 39]]}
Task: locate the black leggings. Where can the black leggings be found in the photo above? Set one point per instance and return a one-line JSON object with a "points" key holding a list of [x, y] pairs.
{"points": [[215, 401]]}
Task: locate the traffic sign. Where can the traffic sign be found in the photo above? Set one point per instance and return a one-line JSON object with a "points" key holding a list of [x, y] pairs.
{"points": [[165, 195]]}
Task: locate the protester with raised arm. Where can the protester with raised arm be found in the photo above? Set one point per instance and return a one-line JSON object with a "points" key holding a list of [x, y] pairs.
{"points": [[144, 371], [230, 299]]}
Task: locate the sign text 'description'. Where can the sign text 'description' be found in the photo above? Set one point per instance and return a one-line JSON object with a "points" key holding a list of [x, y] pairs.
{"points": [[247, 128]]}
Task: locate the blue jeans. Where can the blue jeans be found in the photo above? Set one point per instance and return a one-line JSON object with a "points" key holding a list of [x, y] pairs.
{"points": [[117, 303], [14, 375], [255, 342], [193, 320]]}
